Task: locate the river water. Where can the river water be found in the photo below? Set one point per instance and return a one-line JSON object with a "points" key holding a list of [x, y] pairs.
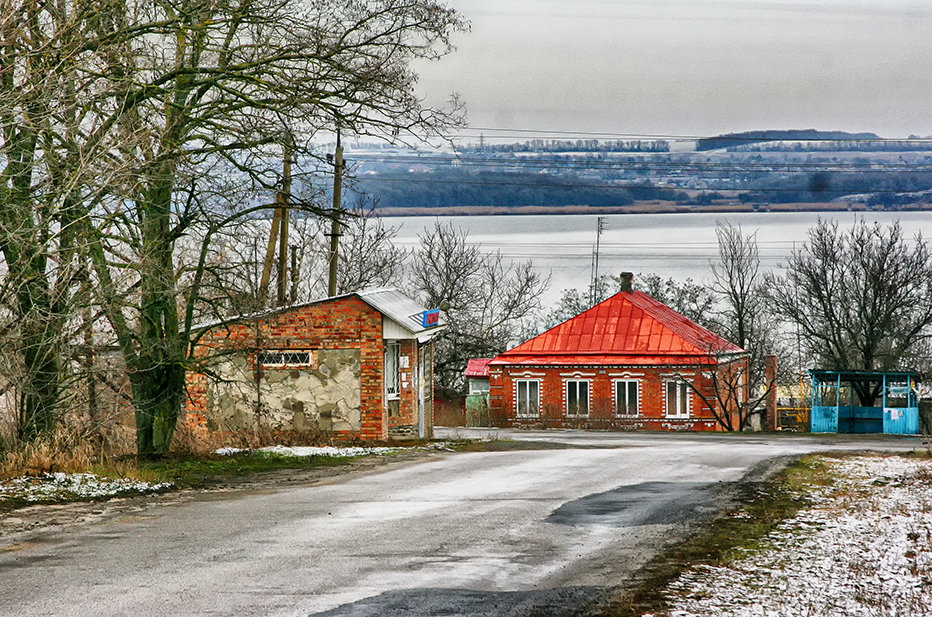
{"points": [[671, 245]]}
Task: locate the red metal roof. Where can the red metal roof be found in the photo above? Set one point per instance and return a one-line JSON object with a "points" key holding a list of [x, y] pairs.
{"points": [[630, 328], [478, 368]]}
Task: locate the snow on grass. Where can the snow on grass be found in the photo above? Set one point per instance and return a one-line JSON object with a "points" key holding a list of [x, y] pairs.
{"points": [[61, 487], [332, 450], [864, 549]]}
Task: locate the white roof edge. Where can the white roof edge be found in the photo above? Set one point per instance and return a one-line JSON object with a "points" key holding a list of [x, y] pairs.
{"points": [[397, 310]]}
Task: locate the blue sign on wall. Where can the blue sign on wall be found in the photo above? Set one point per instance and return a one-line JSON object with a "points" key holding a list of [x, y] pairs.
{"points": [[431, 318]]}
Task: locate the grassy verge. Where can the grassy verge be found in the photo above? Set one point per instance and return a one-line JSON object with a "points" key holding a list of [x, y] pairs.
{"points": [[128, 477], [760, 507], [205, 470]]}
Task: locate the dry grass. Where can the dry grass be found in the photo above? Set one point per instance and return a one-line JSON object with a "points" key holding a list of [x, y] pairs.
{"points": [[108, 444]]}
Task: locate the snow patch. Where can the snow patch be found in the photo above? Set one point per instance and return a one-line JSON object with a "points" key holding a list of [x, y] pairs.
{"points": [[864, 549], [57, 487], [332, 450]]}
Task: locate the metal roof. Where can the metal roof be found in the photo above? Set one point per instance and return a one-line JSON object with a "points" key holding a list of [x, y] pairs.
{"points": [[629, 327], [398, 307], [478, 368], [388, 301]]}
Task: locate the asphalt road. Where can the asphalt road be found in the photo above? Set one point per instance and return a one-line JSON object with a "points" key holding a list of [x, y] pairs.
{"points": [[529, 532]]}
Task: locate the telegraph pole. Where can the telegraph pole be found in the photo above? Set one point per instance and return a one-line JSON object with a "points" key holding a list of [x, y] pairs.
{"points": [[593, 293], [335, 221], [284, 198], [279, 228]]}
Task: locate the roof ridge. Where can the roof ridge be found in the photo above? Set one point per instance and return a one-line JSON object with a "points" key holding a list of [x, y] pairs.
{"points": [[627, 323]]}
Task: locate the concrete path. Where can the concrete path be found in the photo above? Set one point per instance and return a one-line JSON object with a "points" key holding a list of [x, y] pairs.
{"points": [[500, 533]]}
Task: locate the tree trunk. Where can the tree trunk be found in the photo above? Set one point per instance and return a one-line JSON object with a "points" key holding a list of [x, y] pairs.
{"points": [[41, 358], [158, 382], [157, 397]]}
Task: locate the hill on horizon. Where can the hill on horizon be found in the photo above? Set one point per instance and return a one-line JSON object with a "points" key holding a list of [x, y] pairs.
{"points": [[729, 140]]}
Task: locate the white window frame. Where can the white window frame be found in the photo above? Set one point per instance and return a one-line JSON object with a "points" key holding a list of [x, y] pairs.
{"points": [[575, 384], [526, 385], [478, 386], [392, 370], [284, 358], [637, 395], [681, 387]]}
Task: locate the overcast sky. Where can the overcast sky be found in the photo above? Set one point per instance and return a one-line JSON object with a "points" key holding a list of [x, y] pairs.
{"points": [[691, 67]]}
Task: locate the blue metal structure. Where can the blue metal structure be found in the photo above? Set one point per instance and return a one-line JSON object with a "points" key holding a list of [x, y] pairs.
{"points": [[835, 407]]}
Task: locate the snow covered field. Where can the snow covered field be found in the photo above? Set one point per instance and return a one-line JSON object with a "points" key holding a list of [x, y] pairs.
{"points": [[863, 549]]}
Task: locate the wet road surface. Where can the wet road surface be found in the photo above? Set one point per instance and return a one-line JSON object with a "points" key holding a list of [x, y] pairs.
{"points": [[529, 532]]}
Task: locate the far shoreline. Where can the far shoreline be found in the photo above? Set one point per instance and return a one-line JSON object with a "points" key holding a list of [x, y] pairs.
{"points": [[645, 207]]}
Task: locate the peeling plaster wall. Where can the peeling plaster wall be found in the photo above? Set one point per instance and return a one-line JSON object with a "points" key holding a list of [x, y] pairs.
{"points": [[326, 395]]}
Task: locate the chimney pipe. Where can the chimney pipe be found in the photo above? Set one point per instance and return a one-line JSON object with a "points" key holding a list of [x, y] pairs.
{"points": [[627, 281]]}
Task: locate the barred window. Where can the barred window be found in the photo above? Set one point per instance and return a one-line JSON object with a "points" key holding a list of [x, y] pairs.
{"points": [[284, 358]]}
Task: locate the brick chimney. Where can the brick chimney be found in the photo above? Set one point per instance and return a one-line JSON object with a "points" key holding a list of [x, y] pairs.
{"points": [[627, 281]]}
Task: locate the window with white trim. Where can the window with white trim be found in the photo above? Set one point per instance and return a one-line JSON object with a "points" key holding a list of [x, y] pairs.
{"points": [[527, 397], [283, 359], [677, 399], [577, 397], [627, 402]]}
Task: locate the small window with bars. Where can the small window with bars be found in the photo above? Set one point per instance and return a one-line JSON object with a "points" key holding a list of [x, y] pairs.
{"points": [[284, 359]]}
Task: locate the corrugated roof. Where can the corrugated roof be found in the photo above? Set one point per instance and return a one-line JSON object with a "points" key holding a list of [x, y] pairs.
{"points": [[627, 326], [398, 307], [388, 301], [478, 367]]}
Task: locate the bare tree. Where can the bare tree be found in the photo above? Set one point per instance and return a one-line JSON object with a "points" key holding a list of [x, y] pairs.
{"points": [[367, 258], [736, 282], [693, 300], [743, 316], [862, 298], [135, 110], [728, 389], [488, 298]]}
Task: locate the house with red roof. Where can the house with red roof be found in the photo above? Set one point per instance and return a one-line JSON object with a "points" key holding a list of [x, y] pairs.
{"points": [[630, 362]]}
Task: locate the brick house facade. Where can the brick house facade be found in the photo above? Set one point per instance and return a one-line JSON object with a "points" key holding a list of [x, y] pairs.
{"points": [[628, 363], [357, 366]]}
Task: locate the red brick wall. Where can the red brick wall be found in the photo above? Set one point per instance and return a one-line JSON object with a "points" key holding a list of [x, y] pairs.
{"points": [[601, 415], [345, 323]]}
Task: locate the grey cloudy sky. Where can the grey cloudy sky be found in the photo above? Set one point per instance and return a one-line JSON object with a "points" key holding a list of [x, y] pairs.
{"points": [[691, 67]]}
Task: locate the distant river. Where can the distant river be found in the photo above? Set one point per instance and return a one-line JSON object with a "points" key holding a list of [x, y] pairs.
{"points": [[677, 245]]}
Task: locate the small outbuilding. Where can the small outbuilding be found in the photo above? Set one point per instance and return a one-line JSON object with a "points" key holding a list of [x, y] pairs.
{"points": [[630, 362], [865, 402], [355, 366]]}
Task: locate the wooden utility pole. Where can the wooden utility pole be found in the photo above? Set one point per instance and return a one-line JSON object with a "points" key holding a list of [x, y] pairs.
{"points": [[335, 221], [279, 227], [284, 198]]}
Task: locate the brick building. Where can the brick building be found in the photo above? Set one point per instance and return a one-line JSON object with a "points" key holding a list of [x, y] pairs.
{"points": [[357, 366], [629, 362]]}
